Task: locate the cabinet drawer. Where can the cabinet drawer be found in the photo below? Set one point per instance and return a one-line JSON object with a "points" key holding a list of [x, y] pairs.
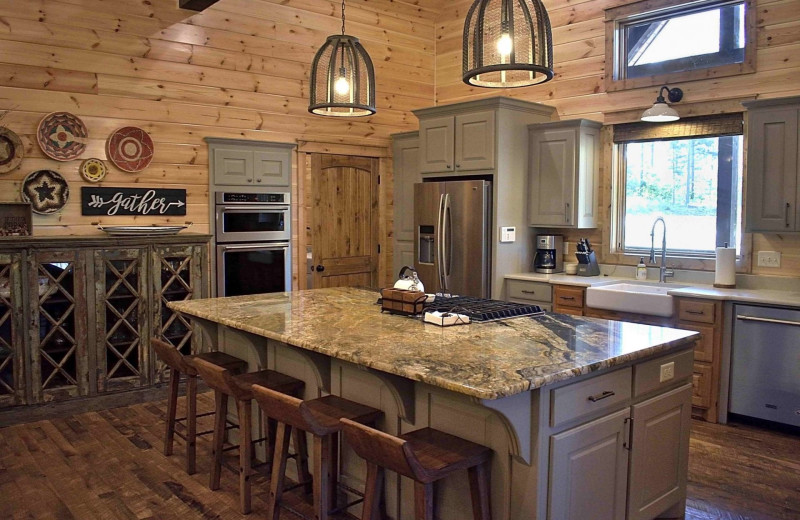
{"points": [[534, 291], [699, 311], [647, 375], [589, 396], [701, 385], [569, 297], [704, 347]]}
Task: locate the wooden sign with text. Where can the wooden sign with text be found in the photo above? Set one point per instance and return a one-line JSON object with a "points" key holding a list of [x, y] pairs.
{"points": [[132, 201]]}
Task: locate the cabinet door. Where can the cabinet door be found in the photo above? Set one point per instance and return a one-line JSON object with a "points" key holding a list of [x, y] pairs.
{"points": [[233, 167], [272, 168], [59, 339], [12, 344], [551, 195], [659, 453], [122, 335], [772, 169], [177, 274], [436, 144], [588, 470], [474, 141]]}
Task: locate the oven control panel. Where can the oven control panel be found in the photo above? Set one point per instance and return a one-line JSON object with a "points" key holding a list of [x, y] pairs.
{"points": [[249, 198]]}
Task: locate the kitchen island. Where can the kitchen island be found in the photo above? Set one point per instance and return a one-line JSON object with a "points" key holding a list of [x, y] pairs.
{"points": [[587, 418]]}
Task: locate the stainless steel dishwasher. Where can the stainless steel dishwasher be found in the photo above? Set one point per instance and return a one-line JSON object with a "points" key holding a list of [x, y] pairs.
{"points": [[765, 366]]}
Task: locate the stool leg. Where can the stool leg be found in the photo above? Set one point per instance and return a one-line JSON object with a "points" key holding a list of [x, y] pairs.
{"points": [[373, 493], [301, 459], [172, 403], [479, 489], [282, 438], [191, 424], [244, 409], [220, 413], [323, 462], [423, 501]]}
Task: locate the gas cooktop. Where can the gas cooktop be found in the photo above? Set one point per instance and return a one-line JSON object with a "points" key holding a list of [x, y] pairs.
{"points": [[481, 309]]}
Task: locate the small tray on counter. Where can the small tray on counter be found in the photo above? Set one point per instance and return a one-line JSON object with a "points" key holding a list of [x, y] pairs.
{"points": [[141, 231]]}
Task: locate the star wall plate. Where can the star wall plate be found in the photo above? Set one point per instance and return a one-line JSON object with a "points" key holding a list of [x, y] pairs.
{"points": [[46, 190], [62, 136], [11, 150], [93, 170], [130, 149]]}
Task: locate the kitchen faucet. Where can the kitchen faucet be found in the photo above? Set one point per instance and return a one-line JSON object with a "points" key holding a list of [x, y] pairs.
{"points": [[663, 272]]}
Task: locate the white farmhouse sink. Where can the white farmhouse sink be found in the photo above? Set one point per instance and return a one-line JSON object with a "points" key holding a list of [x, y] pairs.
{"points": [[638, 297]]}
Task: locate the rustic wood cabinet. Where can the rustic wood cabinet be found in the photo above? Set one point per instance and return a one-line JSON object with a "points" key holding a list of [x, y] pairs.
{"points": [[79, 312], [250, 163], [405, 152], [773, 165], [568, 299], [564, 173], [457, 143]]}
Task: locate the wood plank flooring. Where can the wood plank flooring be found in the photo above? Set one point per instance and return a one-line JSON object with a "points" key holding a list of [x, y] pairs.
{"points": [[110, 465]]}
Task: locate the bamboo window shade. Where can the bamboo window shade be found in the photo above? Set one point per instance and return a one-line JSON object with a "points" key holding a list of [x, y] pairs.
{"points": [[702, 126]]}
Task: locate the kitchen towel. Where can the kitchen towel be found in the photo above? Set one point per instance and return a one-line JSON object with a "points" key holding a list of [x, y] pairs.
{"points": [[725, 270]]}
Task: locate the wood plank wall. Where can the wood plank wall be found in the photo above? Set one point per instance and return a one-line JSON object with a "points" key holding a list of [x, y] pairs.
{"points": [[578, 91], [237, 70]]}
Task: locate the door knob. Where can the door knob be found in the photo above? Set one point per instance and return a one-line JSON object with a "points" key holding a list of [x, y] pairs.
{"points": [[320, 268]]}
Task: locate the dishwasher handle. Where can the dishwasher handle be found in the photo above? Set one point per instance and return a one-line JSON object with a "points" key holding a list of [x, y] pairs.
{"points": [[744, 317]]}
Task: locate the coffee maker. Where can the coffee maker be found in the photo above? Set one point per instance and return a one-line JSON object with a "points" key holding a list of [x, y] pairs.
{"points": [[548, 258]]}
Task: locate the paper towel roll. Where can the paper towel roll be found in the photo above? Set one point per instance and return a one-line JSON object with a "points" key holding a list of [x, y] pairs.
{"points": [[725, 270]]}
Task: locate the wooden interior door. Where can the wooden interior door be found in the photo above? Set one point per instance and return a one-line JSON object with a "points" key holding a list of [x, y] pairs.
{"points": [[344, 220]]}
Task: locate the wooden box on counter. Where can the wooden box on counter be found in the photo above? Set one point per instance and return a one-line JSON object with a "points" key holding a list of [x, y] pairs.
{"points": [[402, 301]]}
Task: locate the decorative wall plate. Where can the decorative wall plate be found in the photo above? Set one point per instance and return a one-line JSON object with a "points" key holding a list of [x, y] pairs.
{"points": [[11, 150], [46, 190], [62, 136], [93, 170], [130, 149]]}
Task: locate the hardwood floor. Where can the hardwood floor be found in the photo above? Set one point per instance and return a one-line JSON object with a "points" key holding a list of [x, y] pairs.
{"points": [[109, 465]]}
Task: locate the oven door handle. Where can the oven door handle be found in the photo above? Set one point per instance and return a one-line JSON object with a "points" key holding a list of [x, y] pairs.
{"points": [[280, 245], [270, 209]]}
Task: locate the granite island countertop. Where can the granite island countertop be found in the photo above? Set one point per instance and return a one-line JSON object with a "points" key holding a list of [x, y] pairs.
{"points": [[482, 360]]}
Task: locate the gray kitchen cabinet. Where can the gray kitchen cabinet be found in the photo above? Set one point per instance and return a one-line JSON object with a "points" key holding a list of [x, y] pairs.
{"points": [[773, 165], [590, 470], [250, 163], [563, 174], [453, 143], [530, 292], [405, 154]]}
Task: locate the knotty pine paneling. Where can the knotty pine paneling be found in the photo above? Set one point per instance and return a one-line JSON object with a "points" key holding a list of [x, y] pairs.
{"points": [[239, 69], [578, 91]]}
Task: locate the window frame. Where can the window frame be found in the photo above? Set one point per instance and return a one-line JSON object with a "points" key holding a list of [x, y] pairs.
{"points": [[617, 16]]}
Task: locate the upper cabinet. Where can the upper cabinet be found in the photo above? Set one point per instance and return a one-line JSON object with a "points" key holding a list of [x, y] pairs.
{"points": [[773, 167], [457, 143], [564, 172], [250, 163]]}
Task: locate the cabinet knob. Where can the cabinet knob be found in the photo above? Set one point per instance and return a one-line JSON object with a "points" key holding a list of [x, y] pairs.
{"points": [[258, 180], [249, 180], [458, 165], [449, 167]]}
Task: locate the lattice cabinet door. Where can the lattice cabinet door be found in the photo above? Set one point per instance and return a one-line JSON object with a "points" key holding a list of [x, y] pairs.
{"points": [[177, 274], [58, 336], [121, 320], [12, 344]]}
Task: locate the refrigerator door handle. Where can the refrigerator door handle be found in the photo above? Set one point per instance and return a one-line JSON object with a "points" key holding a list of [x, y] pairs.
{"points": [[440, 244], [448, 233]]}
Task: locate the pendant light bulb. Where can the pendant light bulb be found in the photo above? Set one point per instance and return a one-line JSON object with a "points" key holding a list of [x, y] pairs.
{"points": [[342, 86], [505, 45]]}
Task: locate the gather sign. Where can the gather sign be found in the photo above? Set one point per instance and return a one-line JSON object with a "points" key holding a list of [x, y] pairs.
{"points": [[109, 201]]}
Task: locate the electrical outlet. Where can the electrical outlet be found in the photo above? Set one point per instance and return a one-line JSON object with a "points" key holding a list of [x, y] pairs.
{"points": [[769, 259], [667, 372]]}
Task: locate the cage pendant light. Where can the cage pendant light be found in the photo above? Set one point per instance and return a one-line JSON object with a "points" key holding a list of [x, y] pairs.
{"points": [[507, 43], [342, 78]]}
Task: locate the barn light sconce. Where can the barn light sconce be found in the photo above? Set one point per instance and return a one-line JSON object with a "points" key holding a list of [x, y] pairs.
{"points": [[661, 112]]}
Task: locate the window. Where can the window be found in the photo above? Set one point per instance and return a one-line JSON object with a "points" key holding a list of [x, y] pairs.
{"points": [[693, 181], [683, 41]]}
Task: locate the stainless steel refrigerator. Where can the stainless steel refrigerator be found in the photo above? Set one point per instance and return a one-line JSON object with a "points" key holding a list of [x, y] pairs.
{"points": [[452, 236]]}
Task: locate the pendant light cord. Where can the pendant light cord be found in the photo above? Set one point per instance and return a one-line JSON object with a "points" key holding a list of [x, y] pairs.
{"points": [[342, 17]]}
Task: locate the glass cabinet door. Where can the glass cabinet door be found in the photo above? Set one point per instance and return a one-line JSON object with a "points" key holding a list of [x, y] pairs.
{"points": [[59, 364], [121, 319], [12, 346]]}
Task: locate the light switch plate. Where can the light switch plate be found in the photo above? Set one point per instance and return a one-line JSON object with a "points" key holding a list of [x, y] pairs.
{"points": [[769, 259], [508, 234]]}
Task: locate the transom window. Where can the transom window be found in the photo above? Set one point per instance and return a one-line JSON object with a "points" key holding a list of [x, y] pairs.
{"points": [[653, 39], [693, 182]]}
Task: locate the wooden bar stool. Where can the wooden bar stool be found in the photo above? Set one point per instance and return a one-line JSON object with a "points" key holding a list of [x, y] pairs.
{"points": [[319, 417], [425, 456], [225, 384], [179, 365]]}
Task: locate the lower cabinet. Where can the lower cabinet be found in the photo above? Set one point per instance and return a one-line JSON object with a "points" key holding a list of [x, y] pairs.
{"points": [[568, 299], [530, 292], [76, 316]]}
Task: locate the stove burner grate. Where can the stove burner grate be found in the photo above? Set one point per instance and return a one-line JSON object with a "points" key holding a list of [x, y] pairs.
{"points": [[481, 309]]}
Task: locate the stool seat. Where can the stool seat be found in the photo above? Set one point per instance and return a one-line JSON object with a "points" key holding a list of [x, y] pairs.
{"points": [[324, 414], [268, 378], [425, 456], [222, 359]]}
